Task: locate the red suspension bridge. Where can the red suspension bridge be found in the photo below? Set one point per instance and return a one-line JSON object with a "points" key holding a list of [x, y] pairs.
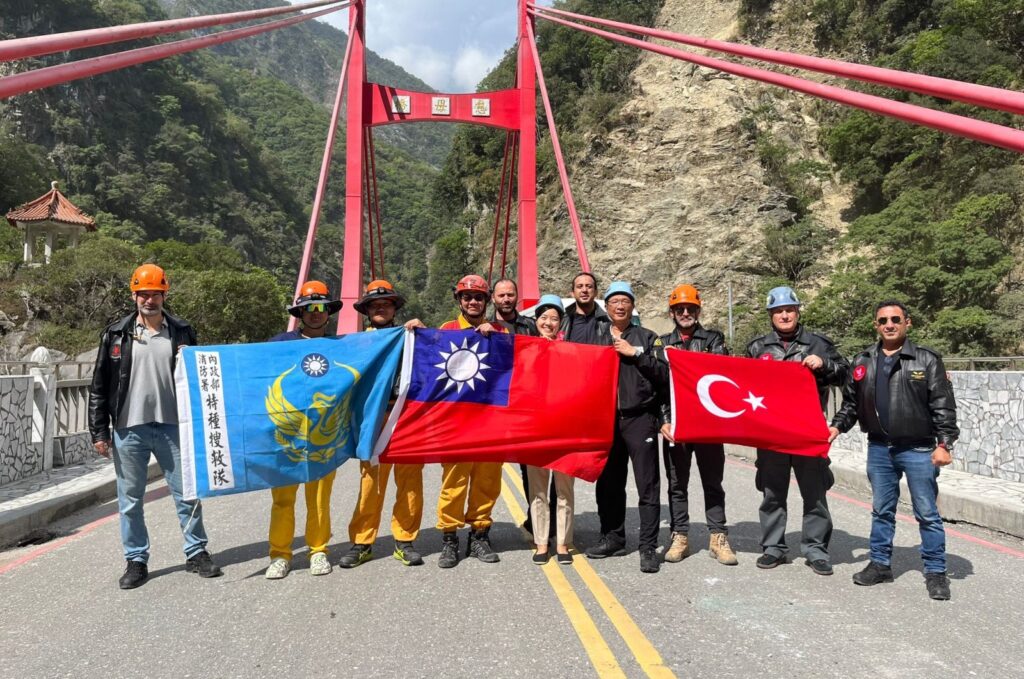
{"points": [[514, 110]]}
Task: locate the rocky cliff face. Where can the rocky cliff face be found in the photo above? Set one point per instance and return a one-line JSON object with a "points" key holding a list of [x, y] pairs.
{"points": [[677, 193]]}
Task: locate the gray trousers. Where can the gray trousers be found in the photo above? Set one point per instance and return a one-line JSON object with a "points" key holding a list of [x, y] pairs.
{"points": [[814, 478]]}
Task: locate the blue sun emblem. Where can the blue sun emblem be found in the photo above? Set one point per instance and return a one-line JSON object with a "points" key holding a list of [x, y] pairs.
{"points": [[315, 365]]}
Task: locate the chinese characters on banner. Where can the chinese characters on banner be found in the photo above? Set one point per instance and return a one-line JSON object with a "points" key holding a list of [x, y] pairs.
{"points": [[218, 449]]}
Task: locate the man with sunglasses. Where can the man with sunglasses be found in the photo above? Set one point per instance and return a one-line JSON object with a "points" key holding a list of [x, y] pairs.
{"points": [[901, 396], [379, 304], [314, 308], [132, 393], [790, 341], [684, 305], [469, 489]]}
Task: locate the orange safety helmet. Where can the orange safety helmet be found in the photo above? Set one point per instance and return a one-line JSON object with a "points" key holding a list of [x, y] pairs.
{"points": [[472, 283], [379, 289], [149, 277], [314, 292], [684, 294]]}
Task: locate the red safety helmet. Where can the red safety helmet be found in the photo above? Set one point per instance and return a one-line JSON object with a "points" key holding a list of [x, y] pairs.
{"points": [[684, 294], [471, 283], [314, 292], [149, 277]]}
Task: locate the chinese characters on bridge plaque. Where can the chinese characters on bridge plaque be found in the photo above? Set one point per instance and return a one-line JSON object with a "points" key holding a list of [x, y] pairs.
{"points": [[401, 103], [211, 395], [482, 107], [441, 106]]}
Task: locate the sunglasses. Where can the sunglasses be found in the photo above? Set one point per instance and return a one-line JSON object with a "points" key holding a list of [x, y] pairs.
{"points": [[319, 307], [896, 320], [470, 297], [680, 308]]}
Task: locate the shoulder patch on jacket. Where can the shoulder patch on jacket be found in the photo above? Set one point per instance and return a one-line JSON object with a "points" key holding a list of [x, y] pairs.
{"points": [[917, 375], [859, 372]]}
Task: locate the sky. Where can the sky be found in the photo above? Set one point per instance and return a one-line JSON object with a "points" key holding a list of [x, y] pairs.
{"points": [[449, 44]]}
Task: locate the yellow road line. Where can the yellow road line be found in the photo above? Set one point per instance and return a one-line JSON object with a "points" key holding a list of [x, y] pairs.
{"points": [[643, 650], [601, 656]]}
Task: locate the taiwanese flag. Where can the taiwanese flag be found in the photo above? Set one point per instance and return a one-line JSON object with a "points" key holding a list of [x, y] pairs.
{"points": [[765, 404], [504, 398]]}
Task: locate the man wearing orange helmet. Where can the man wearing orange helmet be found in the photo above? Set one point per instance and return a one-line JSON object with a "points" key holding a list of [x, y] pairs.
{"points": [[379, 304], [684, 306], [314, 308], [469, 489], [132, 391]]}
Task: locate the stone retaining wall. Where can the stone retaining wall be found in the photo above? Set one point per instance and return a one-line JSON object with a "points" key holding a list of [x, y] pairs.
{"points": [[990, 414], [18, 457]]}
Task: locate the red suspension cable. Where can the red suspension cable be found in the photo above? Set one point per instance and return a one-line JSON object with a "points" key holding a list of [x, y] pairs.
{"points": [[988, 133], [369, 206], [979, 95], [52, 75], [563, 175], [38, 45], [376, 200], [498, 207], [508, 205]]}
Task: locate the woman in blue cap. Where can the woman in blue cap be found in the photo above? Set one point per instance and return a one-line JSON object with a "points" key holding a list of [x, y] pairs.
{"points": [[549, 314]]}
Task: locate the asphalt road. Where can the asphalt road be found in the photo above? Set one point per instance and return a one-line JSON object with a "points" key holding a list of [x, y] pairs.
{"points": [[63, 615]]}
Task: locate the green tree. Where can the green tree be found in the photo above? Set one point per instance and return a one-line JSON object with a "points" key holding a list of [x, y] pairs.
{"points": [[228, 307]]}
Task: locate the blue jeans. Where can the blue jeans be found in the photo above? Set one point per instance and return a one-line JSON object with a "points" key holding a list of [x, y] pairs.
{"points": [[886, 465], [132, 448]]}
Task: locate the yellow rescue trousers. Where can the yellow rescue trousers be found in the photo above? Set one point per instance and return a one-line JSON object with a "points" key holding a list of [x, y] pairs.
{"points": [[408, 510], [318, 517], [468, 493]]}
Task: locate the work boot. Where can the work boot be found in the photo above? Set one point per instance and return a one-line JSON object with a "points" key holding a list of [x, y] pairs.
{"points": [[449, 557], [767, 560], [608, 546], [202, 565], [356, 555], [649, 561], [938, 586], [479, 546], [874, 573], [679, 549], [720, 549], [407, 554], [135, 575], [819, 566]]}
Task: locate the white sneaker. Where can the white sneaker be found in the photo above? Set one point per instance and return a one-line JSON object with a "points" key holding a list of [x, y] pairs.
{"points": [[319, 565], [278, 568]]}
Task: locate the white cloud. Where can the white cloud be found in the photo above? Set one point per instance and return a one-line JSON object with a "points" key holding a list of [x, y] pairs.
{"points": [[471, 65]]}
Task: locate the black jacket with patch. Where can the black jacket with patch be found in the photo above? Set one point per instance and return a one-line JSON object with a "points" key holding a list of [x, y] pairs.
{"points": [[805, 343], [703, 341]]}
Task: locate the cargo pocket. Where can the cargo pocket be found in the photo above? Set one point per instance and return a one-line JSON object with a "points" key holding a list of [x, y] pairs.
{"points": [[759, 477]]}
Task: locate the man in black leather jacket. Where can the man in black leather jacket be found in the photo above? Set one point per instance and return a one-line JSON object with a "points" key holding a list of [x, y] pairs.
{"points": [[643, 378], [684, 305], [132, 392], [900, 394], [790, 341]]}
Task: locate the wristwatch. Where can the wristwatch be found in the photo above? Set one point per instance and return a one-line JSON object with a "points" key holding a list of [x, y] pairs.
{"points": [[948, 447], [639, 350]]}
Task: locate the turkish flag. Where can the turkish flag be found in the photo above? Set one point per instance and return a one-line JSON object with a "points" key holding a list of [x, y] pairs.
{"points": [[765, 404], [503, 398]]}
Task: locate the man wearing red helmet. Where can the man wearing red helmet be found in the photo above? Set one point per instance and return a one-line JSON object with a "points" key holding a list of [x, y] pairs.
{"points": [[379, 304], [314, 308], [684, 306], [132, 391], [469, 489]]}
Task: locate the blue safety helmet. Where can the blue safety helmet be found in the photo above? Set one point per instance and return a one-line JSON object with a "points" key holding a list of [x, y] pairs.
{"points": [[781, 296], [619, 288], [549, 302]]}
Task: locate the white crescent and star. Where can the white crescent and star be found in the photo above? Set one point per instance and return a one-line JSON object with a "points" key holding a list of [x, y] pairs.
{"points": [[704, 394]]}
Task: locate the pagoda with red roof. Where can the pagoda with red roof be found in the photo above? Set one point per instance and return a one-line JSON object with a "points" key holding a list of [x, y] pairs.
{"points": [[49, 218]]}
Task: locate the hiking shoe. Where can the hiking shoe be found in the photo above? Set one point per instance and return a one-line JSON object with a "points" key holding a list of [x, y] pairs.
{"points": [[202, 565], [356, 555], [135, 575], [938, 586], [606, 547], [820, 566], [649, 561], [479, 546], [278, 569], [720, 549], [449, 557], [407, 554], [874, 573], [679, 549], [767, 560], [319, 564]]}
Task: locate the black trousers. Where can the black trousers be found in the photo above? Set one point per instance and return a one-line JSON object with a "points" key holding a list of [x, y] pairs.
{"points": [[636, 440], [711, 465], [814, 478]]}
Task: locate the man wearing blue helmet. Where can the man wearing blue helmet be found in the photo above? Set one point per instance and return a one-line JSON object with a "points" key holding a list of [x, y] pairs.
{"points": [[790, 341]]}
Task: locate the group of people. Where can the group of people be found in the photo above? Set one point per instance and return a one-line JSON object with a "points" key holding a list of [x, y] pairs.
{"points": [[897, 391]]}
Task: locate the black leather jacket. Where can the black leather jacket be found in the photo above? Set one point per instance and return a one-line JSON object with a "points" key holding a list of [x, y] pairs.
{"points": [[703, 341], [643, 379], [806, 343], [602, 324], [520, 326], [921, 404], [113, 369]]}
